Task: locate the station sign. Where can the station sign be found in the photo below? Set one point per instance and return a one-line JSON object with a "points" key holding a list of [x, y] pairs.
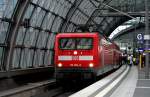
{"points": [[140, 38], [143, 49], [146, 37]]}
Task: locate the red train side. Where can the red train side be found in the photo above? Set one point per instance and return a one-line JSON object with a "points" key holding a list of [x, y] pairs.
{"points": [[84, 55]]}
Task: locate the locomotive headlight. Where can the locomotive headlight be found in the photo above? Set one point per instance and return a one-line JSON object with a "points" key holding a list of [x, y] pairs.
{"points": [[91, 65], [75, 52], [59, 65]]}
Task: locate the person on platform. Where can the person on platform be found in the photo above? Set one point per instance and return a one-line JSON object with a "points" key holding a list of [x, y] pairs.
{"points": [[130, 60]]}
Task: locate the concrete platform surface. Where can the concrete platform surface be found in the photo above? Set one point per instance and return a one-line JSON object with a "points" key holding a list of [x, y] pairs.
{"points": [[128, 86]]}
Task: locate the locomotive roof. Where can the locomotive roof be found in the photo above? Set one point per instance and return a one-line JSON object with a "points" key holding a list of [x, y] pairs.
{"points": [[84, 34]]}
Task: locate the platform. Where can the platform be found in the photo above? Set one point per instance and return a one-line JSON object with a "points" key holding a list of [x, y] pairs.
{"points": [[103, 86], [127, 87], [134, 85], [142, 86]]}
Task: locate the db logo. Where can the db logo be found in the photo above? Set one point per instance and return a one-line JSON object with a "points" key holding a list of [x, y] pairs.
{"points": [[75, 57]]}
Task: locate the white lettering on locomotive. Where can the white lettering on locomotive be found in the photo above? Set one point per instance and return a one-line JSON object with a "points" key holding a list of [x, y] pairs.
{"points": [[75, 57], [68, 58]]}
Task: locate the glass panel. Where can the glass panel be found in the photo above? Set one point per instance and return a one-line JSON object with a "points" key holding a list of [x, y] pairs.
{"points": [[47, 21], [95, 2], [61, 7], [50, 22], [70, 27], [51, 58], [104, 25], [87, 7], [36, 59], [75, 43], [74, 17], [21, 35], [26, 58], [47, 60], [58, 7], [109, 20], [35, 17], [23, 64], [34, 1], [41, 58], [29, 57], [1, 59], [47, 4], [53, 5], [79, 18], [8, 5], [40, 18], [34, 36], [50, 4], [41, 2], [50, 44], [72, 1], [28, 12], [3, 31], [29, 37], [73, 29], [16, 59], [65, 8], [42, 39], [98, 19], [56, 25]]}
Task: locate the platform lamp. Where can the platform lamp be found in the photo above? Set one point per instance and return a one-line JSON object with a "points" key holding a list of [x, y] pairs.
{"points": [[129, 47]]}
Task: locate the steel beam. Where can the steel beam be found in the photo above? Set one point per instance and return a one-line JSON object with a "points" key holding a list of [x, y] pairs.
{"points": [[17, 17], [92, 3], [117, 14]]}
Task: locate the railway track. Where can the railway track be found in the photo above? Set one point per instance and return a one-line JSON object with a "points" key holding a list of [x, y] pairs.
{"points": [[47, 88], [30, 89]]}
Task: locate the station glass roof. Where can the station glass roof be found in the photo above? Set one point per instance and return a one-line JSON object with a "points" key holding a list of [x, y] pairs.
{"points": [[28, 27]]}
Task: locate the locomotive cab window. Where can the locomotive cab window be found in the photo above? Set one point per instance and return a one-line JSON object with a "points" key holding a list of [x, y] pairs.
{"points": [[76, 43]]}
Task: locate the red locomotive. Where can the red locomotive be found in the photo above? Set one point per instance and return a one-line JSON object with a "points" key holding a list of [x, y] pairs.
{"points": [[84, 55]]}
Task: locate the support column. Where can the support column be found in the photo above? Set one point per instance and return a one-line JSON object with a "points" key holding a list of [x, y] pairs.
{"points": [[146, 41]]}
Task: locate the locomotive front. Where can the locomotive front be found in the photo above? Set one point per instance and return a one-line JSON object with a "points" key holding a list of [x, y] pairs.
{"points": [[74, 56]]}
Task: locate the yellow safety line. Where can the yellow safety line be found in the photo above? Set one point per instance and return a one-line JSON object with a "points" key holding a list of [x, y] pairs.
{"points": [[140, 61], [147, 51]]}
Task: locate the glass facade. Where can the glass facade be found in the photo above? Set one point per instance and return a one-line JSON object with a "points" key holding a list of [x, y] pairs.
{"points": [[7, 8]]}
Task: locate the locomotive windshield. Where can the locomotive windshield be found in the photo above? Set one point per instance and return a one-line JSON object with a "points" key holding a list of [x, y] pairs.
{"points": [[76, 43]]}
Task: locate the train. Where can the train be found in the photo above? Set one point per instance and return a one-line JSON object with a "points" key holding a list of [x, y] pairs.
{"points": [[84, 55]]}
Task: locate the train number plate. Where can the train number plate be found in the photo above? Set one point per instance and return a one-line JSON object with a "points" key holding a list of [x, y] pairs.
{"points": [[75, 57]]}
